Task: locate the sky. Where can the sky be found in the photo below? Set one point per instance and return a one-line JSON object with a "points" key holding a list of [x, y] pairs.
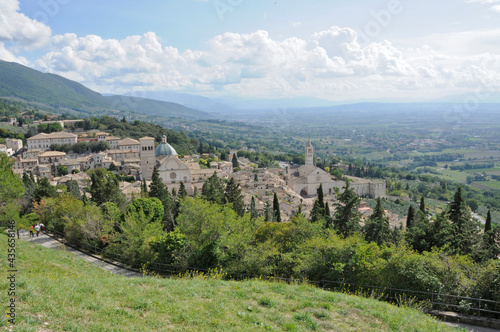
{"points": [[391, 50]]}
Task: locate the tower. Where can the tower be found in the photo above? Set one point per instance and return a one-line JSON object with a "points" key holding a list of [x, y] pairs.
{"points": [[148, 160], [309, 153]]}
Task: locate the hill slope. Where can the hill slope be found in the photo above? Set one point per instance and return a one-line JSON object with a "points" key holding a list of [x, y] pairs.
{"points": [[58, 291], [56, 92], [53, 90]]}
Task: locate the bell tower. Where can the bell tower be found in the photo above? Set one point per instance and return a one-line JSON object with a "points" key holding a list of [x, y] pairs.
{"points": [[148, 159], [309, 160]]}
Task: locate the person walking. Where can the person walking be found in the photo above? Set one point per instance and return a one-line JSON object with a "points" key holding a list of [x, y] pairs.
{"points": [[42, 228], [31, 232], [37, 229]]}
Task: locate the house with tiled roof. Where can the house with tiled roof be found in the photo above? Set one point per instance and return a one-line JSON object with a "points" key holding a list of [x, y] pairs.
{"points": [[44, 141]]}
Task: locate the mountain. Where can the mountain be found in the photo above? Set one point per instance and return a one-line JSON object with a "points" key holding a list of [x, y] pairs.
{"points": [[59, 93], [193, 101], [157, 107], [52, 90]]}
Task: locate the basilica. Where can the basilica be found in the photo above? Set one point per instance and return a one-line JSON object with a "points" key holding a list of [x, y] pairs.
{"points": [[306, 179], [173, 170]]}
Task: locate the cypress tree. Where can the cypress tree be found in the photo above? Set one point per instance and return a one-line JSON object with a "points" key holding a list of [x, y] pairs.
{"points": [[236, 163], [422, 206], [465, 230], [253, 209], [267, 211], [410, 219], [318, 210], [377, 228], [182, 190], [490, 249], [487, 225], [319, 191], [327, 210], [276, 209], [158, 189]]}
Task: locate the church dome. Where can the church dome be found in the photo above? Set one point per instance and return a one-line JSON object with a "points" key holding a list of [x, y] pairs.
{"points": [[165, 149]]}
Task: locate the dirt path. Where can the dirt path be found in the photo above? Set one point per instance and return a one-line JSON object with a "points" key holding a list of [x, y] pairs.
{"points": [[49, 242]]}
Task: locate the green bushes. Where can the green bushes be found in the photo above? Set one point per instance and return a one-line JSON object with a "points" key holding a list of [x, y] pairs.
{"points": [[208, 235]]}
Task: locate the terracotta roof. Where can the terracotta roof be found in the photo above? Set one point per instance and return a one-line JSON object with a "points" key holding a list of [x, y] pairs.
{"points": [[60, 134], [52, 154], [128, 141]]}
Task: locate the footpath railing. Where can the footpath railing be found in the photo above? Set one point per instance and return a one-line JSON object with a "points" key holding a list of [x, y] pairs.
{"points": [[426, 300]]}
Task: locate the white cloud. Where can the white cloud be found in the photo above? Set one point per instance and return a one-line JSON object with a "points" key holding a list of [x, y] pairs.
{"points": [[19, 29], [330, 64]]}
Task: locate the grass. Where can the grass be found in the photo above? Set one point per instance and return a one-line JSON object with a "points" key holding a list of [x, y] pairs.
{"points": [[56, 291]]}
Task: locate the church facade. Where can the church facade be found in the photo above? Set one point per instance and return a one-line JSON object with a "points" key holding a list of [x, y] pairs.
{"points": [[306, 179], [173, 170]]}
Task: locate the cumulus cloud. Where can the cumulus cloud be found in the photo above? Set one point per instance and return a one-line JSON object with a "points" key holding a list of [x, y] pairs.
{"points": [[17, 28], [330, 64]]}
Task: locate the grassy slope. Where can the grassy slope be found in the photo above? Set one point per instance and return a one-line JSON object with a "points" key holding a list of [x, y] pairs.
{"points": [[34, 86], [70, 294]]}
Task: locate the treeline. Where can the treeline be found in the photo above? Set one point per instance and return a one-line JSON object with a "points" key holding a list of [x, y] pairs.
{"points": [[81, 147], [468, 166]]}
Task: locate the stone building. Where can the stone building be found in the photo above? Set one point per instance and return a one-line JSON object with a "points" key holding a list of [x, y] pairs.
{"points": [[14, 144], [306, 179], [44, 141], [171, 169]]}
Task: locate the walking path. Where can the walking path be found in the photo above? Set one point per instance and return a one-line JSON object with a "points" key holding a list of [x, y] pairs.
{"points": [[48, 242]]}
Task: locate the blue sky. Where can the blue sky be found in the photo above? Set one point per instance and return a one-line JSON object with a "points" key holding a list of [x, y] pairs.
{"points": [[401, 50]]}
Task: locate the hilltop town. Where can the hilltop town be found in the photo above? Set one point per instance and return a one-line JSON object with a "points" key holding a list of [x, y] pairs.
{"points": [[295, 185]]}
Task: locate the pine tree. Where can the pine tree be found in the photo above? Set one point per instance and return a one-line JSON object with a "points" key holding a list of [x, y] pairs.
{"points": [[276, 209], [233, 195], [213, 190], [253, 209], [73, 189], [182, 190], [346, 218], [377, 228], [439, 231], [465, 229]]}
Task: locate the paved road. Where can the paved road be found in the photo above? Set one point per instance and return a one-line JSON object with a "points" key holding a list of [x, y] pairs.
{"points": [[49, 242], [472, 328]]}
